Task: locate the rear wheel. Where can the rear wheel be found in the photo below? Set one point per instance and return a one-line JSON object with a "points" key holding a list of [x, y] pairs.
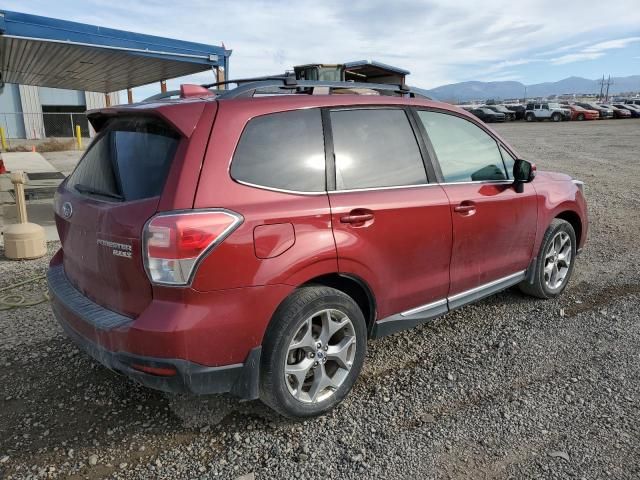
{"points": [[580, 116], [313, 352], [530, 117], [554, 264], [556, 117]]}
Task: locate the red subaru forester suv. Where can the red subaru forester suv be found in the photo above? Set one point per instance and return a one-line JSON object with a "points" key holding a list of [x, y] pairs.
{"points": [[251, 244]]}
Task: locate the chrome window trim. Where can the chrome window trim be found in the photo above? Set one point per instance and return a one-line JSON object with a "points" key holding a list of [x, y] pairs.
{"points": [[394, 187], [472, 182], [371, 189], [275, 189]]}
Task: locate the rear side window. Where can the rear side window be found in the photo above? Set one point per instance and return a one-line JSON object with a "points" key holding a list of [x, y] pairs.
{"points": [[465, 152], [282, 150], [375, 148], [129, 160]]}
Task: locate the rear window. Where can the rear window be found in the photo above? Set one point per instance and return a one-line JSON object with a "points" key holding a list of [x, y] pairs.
{"points": [[129, 160], [375, 148], [282, 150]]}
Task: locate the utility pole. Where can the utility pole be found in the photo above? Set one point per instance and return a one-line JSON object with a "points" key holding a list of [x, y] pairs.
{"points": [[601, 87], [609, 83]]}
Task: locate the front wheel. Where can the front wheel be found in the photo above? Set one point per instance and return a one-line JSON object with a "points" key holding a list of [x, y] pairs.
{"points": [[313, 352], [530, 117], [581, 116], [556, 117], [554, 264]]}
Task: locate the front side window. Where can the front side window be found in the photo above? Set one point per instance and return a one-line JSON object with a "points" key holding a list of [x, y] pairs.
{"points": [[508, 160], [465, 152], [375, 148], [282, 150]]}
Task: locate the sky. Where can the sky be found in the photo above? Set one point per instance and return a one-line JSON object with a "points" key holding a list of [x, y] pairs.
{"points": [[438, 41]]}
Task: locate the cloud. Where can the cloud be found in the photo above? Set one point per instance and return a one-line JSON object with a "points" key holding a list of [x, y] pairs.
{"points": [[576, 57], [439, 41], [612, 44], [594, 51]]}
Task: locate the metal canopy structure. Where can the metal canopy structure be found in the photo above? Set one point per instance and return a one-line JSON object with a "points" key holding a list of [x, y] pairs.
{"points": [[48, 52]]}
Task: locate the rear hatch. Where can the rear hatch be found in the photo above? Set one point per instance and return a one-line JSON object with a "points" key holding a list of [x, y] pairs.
{"points": [[102, 207]]}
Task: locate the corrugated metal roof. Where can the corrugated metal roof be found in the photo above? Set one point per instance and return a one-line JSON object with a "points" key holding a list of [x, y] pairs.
{"points": [[48, 52]]}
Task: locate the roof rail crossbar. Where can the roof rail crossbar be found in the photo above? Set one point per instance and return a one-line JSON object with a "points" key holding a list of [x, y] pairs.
{"points": [[289, 83], [287, 79]]}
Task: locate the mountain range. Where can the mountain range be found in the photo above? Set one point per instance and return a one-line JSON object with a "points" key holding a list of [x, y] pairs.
{"points": [[465, 91]]}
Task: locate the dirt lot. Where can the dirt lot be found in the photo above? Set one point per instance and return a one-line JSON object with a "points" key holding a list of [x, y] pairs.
{"points": [[509, 388]]}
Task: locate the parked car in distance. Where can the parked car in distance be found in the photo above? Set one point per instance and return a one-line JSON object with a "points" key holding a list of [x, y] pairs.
{"points": [[617, 112], [603, 111], [633, 101], [546, 111], [634, 110], [508, 114], [579, 113], [518, 110], [487, 115], [218, 243]]}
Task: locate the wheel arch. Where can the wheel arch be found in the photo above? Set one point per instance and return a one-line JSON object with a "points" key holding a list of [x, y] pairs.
{"points": [[354, 287], [576, 222]]}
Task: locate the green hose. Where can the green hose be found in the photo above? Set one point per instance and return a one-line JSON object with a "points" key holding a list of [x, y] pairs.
{"points": [[17, 300]]}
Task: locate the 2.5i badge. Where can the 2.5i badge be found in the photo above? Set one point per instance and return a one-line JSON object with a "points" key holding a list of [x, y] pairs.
{"points": [[118, 249]]}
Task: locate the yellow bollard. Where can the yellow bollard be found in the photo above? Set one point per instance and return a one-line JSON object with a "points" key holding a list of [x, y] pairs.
{"points": [[79, 137], [3, 138]]}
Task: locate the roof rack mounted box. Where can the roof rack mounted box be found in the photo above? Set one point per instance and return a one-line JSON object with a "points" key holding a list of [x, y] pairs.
{"points": [[362, 71]]}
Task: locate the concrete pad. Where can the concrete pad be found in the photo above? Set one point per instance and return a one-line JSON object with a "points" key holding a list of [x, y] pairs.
{"points": [[27, 162], [64, 161]]}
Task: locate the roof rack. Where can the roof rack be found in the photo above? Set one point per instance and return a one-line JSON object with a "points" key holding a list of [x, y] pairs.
{"points": [[247, 87]]}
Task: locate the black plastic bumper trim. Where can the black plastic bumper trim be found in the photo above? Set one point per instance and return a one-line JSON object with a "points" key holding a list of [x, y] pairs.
{"points": [[240, 379]]}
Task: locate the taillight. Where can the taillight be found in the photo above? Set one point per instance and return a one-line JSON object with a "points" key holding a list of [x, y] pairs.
{"points": [[174, 243]]}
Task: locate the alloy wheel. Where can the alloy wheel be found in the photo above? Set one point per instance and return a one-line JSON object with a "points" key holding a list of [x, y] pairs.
{"points": [[557, 260], [320, 356]]}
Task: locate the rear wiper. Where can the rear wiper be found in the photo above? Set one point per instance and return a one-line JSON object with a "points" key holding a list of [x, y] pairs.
{"points": [[96, 191]]}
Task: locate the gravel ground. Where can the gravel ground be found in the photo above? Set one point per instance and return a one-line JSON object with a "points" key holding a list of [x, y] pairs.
{"points": [[511, 387]]}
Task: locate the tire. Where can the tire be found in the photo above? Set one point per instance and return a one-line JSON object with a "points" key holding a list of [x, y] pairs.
{"points": [[556, 117], [529, 117], [310, 314], [540, 286], [580, 116]]}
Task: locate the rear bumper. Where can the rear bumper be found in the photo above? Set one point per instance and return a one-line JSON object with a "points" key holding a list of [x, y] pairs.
{"points": [[94, 329]]}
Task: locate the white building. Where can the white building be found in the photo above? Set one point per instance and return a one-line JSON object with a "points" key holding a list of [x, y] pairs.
{"points": [[32, 112]]}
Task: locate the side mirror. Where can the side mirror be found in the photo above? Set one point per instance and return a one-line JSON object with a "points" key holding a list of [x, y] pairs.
{"points": [[523, 172]]}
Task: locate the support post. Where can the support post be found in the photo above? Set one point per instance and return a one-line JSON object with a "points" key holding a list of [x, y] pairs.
{"points": [[107, 100], [163, 86], [79, 137], [129, 95], [3, 138]]}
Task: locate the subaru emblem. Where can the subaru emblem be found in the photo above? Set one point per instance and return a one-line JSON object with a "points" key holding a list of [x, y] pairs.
{"points": [[67, 210]]}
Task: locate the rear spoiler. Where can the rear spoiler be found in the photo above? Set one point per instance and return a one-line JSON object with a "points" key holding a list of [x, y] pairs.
{"points": [[183, 116]]}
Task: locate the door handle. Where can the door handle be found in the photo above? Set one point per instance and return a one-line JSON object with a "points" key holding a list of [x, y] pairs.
{"points": [[465, 208], [357, 218]]}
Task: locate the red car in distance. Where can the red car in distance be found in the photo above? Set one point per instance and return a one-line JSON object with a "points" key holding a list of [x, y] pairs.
{"points": [[580, 113]]}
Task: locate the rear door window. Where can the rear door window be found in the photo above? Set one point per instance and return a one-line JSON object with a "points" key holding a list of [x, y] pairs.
{"points": [[129, 160], [282, 150], [375, 148]]}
